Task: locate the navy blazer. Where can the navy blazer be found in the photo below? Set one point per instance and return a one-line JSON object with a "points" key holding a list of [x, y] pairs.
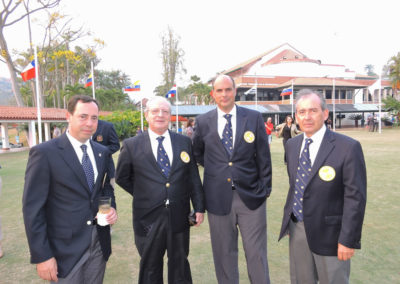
{"points": [[58, 204], [139, 174], [106, 135], [249, 167], [334, 209]]}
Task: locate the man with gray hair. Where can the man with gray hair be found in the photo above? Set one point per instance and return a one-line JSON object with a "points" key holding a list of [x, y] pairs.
{"points": [[325, 206], [158, 169]]}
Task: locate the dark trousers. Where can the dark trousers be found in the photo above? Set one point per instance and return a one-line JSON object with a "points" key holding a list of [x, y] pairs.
{"points": [[152, 248]]}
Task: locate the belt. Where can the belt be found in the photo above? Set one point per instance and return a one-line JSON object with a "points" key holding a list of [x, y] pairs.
{"points": [[294, 218]]}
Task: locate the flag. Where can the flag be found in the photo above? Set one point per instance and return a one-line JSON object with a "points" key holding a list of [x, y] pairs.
{"points": [[89, 81], [171, 92], [252, 91], [29, 71], [286, 92], [133, 88]]}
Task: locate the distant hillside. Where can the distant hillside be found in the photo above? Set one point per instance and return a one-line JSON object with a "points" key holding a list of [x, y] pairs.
{"points": [[6, 94]]}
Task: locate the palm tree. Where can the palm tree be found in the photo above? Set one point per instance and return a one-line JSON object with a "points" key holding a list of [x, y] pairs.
{"points": [[394, 72]]}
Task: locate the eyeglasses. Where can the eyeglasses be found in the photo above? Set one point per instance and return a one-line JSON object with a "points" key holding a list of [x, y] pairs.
{"points": [[162, 112]]}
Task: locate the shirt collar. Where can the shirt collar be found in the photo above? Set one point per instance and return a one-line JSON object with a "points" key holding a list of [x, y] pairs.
{"points": [[153, 135], [318, 136], [232, 112], [75, 142]]}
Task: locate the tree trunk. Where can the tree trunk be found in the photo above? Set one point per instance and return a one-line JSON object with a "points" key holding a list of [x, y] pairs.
{"points": [[10, 66], [57, 85]]}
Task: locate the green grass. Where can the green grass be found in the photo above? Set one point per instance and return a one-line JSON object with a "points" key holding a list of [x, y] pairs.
{"points": [[376, 262]]}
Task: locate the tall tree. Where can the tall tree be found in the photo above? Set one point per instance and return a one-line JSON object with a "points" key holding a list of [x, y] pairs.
{"points": [[12, 13], [199, 91], [172, 60], [369, 68], [394, 72]]}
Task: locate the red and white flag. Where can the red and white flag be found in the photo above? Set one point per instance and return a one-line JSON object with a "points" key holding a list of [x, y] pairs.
{"points": [[29, 71]]}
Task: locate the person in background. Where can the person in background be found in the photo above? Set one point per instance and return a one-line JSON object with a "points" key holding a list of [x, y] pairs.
{"points": [[56, 131], [64, 180], [286, 130], [229, 142], [158, 169], [325, 205], [269, 127], [190, 128]]}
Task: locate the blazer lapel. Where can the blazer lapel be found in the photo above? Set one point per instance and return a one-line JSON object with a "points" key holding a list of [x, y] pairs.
{"points": [[68, 154], [326, 147], [213, 126], [175, 150], [147, 150], [100, 164], [295, 158], [241, 120]]}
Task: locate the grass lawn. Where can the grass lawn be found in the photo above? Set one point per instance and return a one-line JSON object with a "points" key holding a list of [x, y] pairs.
{"points": [[376, 262]]}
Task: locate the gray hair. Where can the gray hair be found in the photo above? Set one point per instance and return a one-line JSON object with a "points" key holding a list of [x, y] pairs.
{"points": [[308, 92], [154, 100]]}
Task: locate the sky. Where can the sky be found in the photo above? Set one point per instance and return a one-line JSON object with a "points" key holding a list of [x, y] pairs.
{"points": [[219, 34]]}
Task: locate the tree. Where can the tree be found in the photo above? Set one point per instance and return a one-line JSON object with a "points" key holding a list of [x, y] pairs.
{"points": [[112, 79], [199, 90], [8, 18], [172, 61], [369, 68], [392, 105], [394, 72]]}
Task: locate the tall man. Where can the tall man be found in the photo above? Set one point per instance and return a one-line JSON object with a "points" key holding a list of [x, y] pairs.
{"points": [[231, 143], [63, 182], [325, 205], [157, 168]]}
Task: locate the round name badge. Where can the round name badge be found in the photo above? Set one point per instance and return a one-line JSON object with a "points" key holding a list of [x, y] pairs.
{"points": [[327, 173], [185, 157], [249, 137], [99, 138]]}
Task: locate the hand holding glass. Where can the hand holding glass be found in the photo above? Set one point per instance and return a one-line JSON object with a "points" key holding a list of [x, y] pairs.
{"points": [[104, 209]]}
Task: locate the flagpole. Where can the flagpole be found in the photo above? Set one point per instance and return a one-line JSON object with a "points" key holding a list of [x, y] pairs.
{"points": [[93, 92], [256, 94], [176, 112], [291, 98], [141, 113], [39, 115], [333, 105], [380, 102]]}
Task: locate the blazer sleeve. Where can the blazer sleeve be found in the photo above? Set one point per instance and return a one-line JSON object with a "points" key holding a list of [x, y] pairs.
{"points": [[198, 144], [113, 140], [107, 188], [263, 157], [355, 196], [197, 193], [36, 190], [123, 174]]}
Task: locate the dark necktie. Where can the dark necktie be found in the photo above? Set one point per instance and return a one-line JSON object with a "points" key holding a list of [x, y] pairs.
{"points": [[87, 167], [227, 138], [303, 174], [162, 157]]}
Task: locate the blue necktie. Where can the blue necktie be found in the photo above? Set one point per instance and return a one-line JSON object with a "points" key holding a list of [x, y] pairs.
{"points": [[227, 136], [87, 167], [303, 174], [162, 157]]}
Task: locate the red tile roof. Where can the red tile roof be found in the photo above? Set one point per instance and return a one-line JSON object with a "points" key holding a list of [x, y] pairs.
{"points": [[14, 113]]}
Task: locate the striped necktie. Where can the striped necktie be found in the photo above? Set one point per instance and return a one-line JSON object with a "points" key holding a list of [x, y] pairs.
{"points": [[303, 174], [162, 157], [87, 167], [227, 136]]}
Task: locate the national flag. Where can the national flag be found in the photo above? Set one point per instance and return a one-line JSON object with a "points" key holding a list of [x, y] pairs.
{"points": [[133, 88], [171, 92], [29, 71], [89, 81], [286, 92], [252, 91]]}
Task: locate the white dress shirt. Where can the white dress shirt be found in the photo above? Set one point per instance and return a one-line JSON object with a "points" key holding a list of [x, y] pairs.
{"points": [[222, 122], [79, 153], [166, 144], [314, 146]]}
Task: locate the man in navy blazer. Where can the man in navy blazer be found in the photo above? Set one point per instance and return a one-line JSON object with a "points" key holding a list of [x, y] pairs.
{"points": [[325, 205], [106, 135], [158, 169], [60, 201], [237, 182]]}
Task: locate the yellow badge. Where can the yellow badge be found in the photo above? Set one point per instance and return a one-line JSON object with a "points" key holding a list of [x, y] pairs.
{"points": [[99, 138], [249, 137], [185, 157], [327, 173]]}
